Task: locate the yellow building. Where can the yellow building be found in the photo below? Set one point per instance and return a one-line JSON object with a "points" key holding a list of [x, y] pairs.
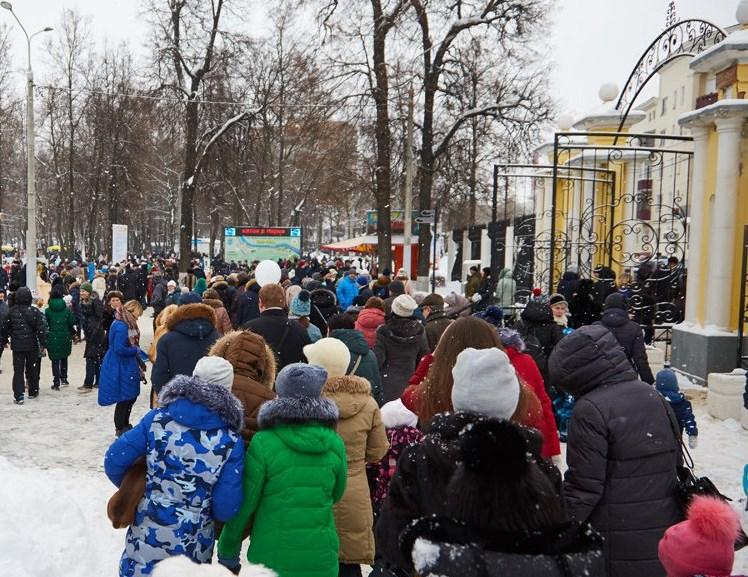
{"points": [[708, 340]]}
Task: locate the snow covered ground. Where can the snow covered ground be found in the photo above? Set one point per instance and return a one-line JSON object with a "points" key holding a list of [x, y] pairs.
{"points": [[53, 512]]}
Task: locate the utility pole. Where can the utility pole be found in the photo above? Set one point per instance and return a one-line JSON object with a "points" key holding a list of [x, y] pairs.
{"points": [[30, 159], [408, 192]]}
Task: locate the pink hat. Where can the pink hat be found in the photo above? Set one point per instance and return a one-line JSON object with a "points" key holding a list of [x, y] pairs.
{"points": [[703, 544]]}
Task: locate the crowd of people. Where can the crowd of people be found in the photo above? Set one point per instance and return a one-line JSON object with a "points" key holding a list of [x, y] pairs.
{"points": [[338, 418]]}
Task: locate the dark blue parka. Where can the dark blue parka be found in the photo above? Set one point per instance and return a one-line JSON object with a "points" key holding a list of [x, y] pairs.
{"points": [[190, 334]]}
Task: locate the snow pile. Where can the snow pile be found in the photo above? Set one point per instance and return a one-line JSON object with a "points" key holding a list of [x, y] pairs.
{"points": [[183, 567], [55, 523]]}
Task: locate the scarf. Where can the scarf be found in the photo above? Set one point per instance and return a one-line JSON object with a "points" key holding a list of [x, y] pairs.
{"points": [[133, 333]]}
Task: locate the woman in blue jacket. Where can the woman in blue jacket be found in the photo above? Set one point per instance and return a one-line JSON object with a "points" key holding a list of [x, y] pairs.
{"points": [[119, 382], [194, 468]]}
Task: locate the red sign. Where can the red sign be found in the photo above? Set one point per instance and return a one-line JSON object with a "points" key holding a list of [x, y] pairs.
{"points": [[262, 231]]}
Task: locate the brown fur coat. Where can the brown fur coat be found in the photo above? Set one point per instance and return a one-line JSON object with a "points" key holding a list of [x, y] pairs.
{"points": [[254, 373]]}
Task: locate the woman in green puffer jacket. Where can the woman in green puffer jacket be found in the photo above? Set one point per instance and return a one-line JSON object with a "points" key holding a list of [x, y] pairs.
{"points": [[61, 325], [295, 470]]}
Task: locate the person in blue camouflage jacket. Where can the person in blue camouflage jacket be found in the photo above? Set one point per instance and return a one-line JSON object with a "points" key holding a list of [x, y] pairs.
{"points": [[195, 463]]}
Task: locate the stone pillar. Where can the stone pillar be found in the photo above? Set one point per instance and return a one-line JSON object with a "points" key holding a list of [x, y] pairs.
{"points": [[696, 241], [485, 248], [722, 233]]}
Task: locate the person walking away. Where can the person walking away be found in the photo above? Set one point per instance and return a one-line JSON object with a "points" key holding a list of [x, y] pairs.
{"points": [[160, 294], [248, 304], [703, 544], [364, 291], [212, 299], [400, 344], [506, 288], [254, 373], [190, 332], [361, 428], [666, 384], [529, 374], [99, 285], [584, 307], [473, 281], [401, 426], [621, 451], [121, 373], [92, 313], [485, 385], [347, 289], [519, 526], [196, 431], [287, 338], [629, 334], [61, 330], [4, 310], [296, 470], [370, 319], [397, 288], [363, 361], [26, 329], [541, 334], [432, 307], [300, 309]]}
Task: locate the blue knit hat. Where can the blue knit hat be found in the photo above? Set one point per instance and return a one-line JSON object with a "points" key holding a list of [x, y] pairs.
{"points": [[300, 380], [666, 380], [190, 298], [362, 280], [301, 305], [493, 315]]}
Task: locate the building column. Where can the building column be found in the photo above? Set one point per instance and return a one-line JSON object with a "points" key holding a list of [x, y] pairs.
{"points": [[697, 243], [722, 233]]}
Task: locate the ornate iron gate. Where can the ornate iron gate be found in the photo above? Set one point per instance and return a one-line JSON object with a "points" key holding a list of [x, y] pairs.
{"points": [[619, 214]]}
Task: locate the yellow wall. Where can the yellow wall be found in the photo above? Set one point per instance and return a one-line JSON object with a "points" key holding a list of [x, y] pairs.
{"points": [[741, 219]]}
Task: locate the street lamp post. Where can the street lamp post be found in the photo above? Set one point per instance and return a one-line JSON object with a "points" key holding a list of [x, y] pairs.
{"points": [[30, 161]]}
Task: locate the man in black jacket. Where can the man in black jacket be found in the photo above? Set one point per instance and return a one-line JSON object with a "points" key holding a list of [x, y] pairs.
{"points": [[629, 334], [286, 337], [26, 328], [92, 313]]}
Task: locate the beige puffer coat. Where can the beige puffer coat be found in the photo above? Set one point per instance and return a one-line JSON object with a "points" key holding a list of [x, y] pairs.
{"points": [[365, 439]]}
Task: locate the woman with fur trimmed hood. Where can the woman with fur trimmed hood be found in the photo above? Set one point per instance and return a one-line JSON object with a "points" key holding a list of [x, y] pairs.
{"points": [[296, 471], [190, 332], [365, 440], [196, 431], [254, 373]]}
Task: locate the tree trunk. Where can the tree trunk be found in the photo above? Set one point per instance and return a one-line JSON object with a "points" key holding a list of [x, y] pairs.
{"points": [[427, 174], [383, 192], [188, 185]]}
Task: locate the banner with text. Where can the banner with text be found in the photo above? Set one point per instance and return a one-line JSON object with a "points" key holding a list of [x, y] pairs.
{"points": [[119, 242]]}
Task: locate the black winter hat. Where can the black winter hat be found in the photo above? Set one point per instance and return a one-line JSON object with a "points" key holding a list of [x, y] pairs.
{"points": [[616, 301]]}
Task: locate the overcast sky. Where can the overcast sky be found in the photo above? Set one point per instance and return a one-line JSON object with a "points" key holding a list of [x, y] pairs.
{"points": [[591, 41]]}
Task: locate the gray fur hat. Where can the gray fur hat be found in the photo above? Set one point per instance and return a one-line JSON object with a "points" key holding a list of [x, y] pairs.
{"points": [[300, 380]]}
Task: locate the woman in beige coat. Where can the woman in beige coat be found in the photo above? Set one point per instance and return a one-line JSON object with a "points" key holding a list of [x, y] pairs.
{"points": [[365, 439]]}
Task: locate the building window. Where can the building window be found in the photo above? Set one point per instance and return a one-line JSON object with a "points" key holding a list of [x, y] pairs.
{"points": [[682, 95], [664, 106]]}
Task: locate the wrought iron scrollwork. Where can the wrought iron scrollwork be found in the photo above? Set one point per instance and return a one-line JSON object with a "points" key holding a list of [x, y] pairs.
{"points": [[684, 38]]}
